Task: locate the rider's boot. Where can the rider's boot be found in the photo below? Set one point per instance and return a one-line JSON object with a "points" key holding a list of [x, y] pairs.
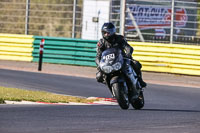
{"points": [[142, 83]]}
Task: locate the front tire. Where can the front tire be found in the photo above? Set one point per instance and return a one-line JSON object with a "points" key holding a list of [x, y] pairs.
{"points": [[120, 95], [139, 102]]}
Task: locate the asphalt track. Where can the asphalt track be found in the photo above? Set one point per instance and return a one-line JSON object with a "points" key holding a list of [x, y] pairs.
{"points": [[168, 109]]}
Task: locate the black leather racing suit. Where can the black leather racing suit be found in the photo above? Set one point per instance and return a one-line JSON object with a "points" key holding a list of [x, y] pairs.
{"points": [[117, 41]]}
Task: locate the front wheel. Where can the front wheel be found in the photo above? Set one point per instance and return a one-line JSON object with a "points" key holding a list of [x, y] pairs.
{"points": [[139, 102], [119, 93]]}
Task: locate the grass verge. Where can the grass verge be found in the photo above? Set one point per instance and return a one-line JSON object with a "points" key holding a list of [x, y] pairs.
{"points": [[14, 94]]}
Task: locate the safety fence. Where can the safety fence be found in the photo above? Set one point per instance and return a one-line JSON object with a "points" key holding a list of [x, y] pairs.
{"points": [[157, 21], [16, 47], [66, 51], [56, 50], [60, 18], [179, 59]]}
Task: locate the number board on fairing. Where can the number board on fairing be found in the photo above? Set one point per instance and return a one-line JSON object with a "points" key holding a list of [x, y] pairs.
{"points": [[110, 56]]}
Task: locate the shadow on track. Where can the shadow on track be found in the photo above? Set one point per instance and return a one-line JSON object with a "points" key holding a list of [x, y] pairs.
{"points": [[171, 110]]}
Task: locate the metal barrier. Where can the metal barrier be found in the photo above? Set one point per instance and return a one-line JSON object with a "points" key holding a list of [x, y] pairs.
{"points": [[16, 47], [66, 51], [169, 58], [179, 59]]}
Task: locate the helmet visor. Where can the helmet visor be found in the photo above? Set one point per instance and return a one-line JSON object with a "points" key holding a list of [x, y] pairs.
{"points": [[106, 33]]}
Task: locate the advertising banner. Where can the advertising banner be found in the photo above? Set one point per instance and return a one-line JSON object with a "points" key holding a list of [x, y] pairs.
{"points": [[148, 17], [157, 19]]}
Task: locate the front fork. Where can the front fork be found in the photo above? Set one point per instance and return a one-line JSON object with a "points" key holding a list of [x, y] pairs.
{"points": [[117, 79], [132, 79]]}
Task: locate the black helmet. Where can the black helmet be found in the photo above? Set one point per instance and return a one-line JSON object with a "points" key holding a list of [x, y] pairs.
{"points": [[108, 28]]}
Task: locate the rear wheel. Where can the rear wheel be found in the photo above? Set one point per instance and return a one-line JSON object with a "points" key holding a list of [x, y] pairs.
{"points": [[139, 102], [120, 95]]}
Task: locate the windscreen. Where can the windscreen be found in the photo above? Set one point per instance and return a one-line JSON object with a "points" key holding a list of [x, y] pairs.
{"points": [[110, 55]]}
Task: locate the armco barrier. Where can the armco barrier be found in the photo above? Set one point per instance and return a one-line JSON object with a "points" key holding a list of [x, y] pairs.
{"points": [[66, 51], [171, 58], [16, 47]]}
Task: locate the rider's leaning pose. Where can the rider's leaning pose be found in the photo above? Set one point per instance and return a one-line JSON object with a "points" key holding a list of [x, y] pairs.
{"points": [[111, 39]]}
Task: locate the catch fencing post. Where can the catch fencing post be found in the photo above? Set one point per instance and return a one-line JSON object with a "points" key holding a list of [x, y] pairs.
{"points": [[41, 54], [74, 19], [122, 16], [172, 22], [27, 16]]}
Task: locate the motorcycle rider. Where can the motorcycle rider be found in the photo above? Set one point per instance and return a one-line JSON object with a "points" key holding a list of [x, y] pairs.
{"points": [[111, 39]]}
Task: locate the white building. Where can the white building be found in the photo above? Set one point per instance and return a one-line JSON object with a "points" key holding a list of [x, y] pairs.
{"points": [[95, 13]]}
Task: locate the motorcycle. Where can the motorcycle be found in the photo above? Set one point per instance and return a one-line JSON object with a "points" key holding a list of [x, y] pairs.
{"points": [[121, 79]]}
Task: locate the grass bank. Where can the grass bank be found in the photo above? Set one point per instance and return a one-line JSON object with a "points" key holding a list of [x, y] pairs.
{"points": [[14, 94]]}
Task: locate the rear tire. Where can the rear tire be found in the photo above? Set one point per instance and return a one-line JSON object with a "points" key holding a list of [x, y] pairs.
{"points": [[120, 95]]}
